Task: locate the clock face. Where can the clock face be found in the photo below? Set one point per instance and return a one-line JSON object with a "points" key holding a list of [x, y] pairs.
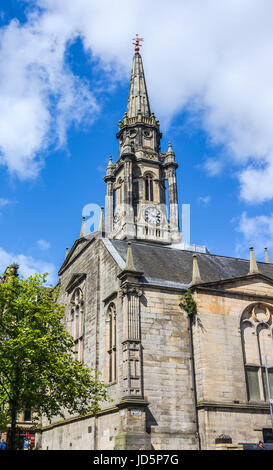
{"points": [[116, 221], [152, 216]]}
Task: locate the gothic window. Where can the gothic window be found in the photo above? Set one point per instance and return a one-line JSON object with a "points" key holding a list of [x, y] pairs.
{"points": [[256, 333], [77, 323], [111, 343], [149, 190]]}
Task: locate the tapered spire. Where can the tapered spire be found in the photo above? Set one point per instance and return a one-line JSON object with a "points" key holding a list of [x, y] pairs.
{"points": [[253, 267], [129, 259], [170, 149], [138, 101]]}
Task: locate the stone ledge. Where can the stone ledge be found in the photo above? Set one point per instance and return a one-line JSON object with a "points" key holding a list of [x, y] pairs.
{"points": [[132, 401], [234, 406], [228, 447]]}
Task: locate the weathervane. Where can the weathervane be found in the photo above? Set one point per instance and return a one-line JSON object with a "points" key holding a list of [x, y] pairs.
{"points": [[136, 43]]}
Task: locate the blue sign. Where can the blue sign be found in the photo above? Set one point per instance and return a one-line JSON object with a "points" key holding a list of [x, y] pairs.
{"points": [[26, 443]]}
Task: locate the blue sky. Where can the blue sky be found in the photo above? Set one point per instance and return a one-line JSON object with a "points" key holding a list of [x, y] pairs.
{"points": [[64, 83]]}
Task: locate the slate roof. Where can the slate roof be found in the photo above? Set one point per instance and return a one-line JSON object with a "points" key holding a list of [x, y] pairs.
{"points": [[174, 266]]}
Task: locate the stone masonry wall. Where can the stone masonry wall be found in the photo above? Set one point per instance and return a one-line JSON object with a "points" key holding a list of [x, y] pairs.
{"points": [[167, 375], [219, 365]]}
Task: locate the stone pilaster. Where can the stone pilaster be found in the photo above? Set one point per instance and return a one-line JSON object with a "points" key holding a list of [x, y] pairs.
{"points": [[131, 344], [132, 406]]}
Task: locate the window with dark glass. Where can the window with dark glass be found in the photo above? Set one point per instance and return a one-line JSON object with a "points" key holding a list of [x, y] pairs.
{"points": [[149, 190]]}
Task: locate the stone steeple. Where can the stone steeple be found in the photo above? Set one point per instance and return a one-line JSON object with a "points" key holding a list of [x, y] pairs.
{"points": [[138, 101], [136, 202]]}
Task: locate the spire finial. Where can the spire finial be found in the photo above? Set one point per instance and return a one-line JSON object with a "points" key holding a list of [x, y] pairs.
{"points": [[66, 251], [253, 267], [110, 163], [196, 278], [129, 259], [136, 42], [170, 149], [83, 233], [267, 259]]}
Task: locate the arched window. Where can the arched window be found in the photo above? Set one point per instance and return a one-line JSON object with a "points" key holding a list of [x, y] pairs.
{"points": [[256, 334], [77, 323], [111, 343], [149, 189]]}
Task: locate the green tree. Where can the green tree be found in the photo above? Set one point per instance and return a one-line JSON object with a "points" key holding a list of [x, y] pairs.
{"points": [[38, 370]]}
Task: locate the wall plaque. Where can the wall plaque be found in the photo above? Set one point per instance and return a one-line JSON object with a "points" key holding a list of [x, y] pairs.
{"points": [[136, 412]]}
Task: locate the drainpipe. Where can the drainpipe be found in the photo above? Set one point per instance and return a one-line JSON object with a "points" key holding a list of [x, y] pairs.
{"points": [[194, 382]]}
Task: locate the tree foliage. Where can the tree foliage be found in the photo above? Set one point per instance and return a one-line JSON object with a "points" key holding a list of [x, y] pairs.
{"points": [[38, 370]]}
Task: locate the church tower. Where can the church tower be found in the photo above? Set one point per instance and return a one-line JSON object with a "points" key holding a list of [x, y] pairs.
{"points": [[136, 202]]}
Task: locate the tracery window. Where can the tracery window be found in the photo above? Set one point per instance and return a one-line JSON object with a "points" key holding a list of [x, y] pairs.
{"points": [[111, 343], [77, 323], [256, 333]]}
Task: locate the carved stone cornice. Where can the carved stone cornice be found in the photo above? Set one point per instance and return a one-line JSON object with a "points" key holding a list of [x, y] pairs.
{"points": [[131, 401], [132, 290], [129, 275]]}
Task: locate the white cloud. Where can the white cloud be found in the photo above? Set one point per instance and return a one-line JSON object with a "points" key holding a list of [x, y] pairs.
{"points": [[43, 244], [256, 183], [28, 266], [256, 231], [213, 166], [212, 58], [204, 200], [39, 96], [5, 202]]}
